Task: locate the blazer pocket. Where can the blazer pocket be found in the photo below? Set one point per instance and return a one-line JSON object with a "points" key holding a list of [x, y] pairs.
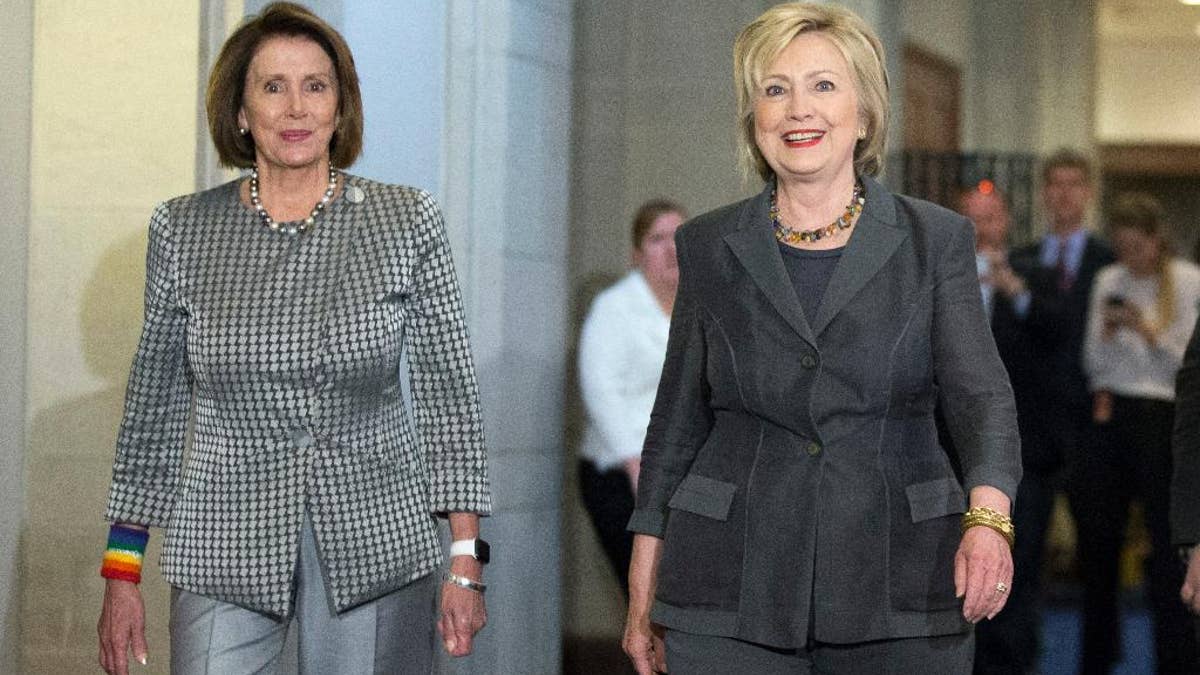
{"points": [[703, 496], [935, 498], [905, 406]]}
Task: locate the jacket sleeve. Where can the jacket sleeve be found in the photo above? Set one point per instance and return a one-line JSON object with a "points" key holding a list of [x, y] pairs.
{"points": [[1185, 443], [150, 442], [974, 389], [682, 418], [442, 372]]}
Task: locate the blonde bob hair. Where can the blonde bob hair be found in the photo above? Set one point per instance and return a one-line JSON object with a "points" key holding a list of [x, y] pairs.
{"points": [[758, 45]]}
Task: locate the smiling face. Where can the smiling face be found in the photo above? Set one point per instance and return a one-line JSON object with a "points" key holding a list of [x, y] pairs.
{"points": [[290, 103], [806, 114]]}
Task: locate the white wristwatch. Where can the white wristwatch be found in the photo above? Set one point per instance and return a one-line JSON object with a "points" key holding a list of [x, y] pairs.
{"points": [[476, 548]]}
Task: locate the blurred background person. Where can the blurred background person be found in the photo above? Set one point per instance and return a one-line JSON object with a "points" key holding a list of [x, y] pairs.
{"points": [[1047, 285], [1001, 644], [795, 511], [1140, 318], [275, 306], [621, 350]]}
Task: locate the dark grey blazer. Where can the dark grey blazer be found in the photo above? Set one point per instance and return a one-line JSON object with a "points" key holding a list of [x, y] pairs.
{"points": [[792, 467]]}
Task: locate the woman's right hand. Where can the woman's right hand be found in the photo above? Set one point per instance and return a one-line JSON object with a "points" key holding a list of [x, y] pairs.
{"points": [[643, 640], [643, 643], [122, 627]]}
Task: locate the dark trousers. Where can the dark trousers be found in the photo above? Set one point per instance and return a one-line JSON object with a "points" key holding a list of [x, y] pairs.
{"points": [[1129, 457], [1011, 643], [690, 654], [608, 497]]}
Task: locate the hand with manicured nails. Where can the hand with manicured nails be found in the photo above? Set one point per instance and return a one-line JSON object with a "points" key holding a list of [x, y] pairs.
{"points": [[122, 627], [983, 561], [463, 611]]}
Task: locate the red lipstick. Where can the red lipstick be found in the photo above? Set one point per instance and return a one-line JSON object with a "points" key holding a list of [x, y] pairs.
{"points": [[802, 138]]}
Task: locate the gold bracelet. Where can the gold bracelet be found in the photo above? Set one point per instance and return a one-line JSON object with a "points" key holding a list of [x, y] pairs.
{"points": [[991, 519]]}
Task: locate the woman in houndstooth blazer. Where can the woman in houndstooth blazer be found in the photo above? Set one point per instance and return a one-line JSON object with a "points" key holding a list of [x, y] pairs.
{"points": [[278, 327]]}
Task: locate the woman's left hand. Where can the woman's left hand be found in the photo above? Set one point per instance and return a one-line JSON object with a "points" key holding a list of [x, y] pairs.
{"points": [[463, 610], [983, 572]]}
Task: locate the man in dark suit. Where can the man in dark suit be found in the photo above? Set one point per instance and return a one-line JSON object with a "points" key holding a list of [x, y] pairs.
{"points": [[1040, 296], [1185, 480]]}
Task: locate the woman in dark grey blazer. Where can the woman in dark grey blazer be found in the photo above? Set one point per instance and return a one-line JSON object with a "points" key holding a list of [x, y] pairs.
{"points": [[795, 512], [278, 326]]}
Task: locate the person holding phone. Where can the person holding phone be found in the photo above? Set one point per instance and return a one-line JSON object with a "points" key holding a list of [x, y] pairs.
{"points": [[1141, 316]]}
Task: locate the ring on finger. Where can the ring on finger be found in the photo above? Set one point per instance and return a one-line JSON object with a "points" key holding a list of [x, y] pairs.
{"points": [[1001, 588]]}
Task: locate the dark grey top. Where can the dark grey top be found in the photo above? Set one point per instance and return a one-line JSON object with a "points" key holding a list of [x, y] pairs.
{"points": [[810, 272], [792, 465]]}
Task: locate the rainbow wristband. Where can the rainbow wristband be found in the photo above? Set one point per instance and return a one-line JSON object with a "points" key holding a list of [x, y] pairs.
{"points": [[123, 558]]}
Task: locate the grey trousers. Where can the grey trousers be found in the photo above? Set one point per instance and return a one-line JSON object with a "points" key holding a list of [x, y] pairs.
{"points": [[690, 654], [393, 634]]}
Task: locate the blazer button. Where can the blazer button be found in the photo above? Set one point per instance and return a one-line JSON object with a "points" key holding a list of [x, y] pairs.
{"points": [[813, 449], [808, 361], [302, 439]]}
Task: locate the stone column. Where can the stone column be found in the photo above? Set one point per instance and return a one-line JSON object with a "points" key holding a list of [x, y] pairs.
{"points": [[506, 194]]}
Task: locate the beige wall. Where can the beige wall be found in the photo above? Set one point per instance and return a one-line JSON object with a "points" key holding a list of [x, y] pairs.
{"points": [[1066, 67], [16, 34], [1147, 91], [114, 128]]}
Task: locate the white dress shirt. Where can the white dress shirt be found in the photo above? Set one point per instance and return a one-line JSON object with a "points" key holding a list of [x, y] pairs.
{"points": [[1126, 364], [621, 351]]}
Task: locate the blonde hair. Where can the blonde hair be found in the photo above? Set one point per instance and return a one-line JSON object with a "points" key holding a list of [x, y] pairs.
{"points": [[1144, 214], [758, 45]]}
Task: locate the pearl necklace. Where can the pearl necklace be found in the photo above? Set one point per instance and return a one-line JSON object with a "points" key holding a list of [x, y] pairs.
{"points": [[299, 227], [787, 235]]}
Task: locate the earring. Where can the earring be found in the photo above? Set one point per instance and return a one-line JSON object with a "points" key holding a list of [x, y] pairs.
{"points": [[243, 130], [862, 133]]}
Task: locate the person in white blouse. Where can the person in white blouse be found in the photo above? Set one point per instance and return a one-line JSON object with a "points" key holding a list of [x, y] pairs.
{"points": [[621, 351], [1142, 311]]}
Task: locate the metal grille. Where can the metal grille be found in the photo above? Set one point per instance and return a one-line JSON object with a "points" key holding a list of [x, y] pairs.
{"points": [[938, 177]]}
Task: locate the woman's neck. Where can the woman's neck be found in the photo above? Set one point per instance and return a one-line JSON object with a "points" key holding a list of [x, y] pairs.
{"points": [[664, 293], [289, 194], [808, 205]]}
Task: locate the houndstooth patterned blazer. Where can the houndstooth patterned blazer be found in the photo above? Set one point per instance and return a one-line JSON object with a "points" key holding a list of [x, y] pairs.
{"points": [[287, 350]]}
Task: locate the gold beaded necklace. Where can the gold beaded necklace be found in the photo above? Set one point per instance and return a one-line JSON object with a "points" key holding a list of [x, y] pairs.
{"points": [[787, 235]]}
